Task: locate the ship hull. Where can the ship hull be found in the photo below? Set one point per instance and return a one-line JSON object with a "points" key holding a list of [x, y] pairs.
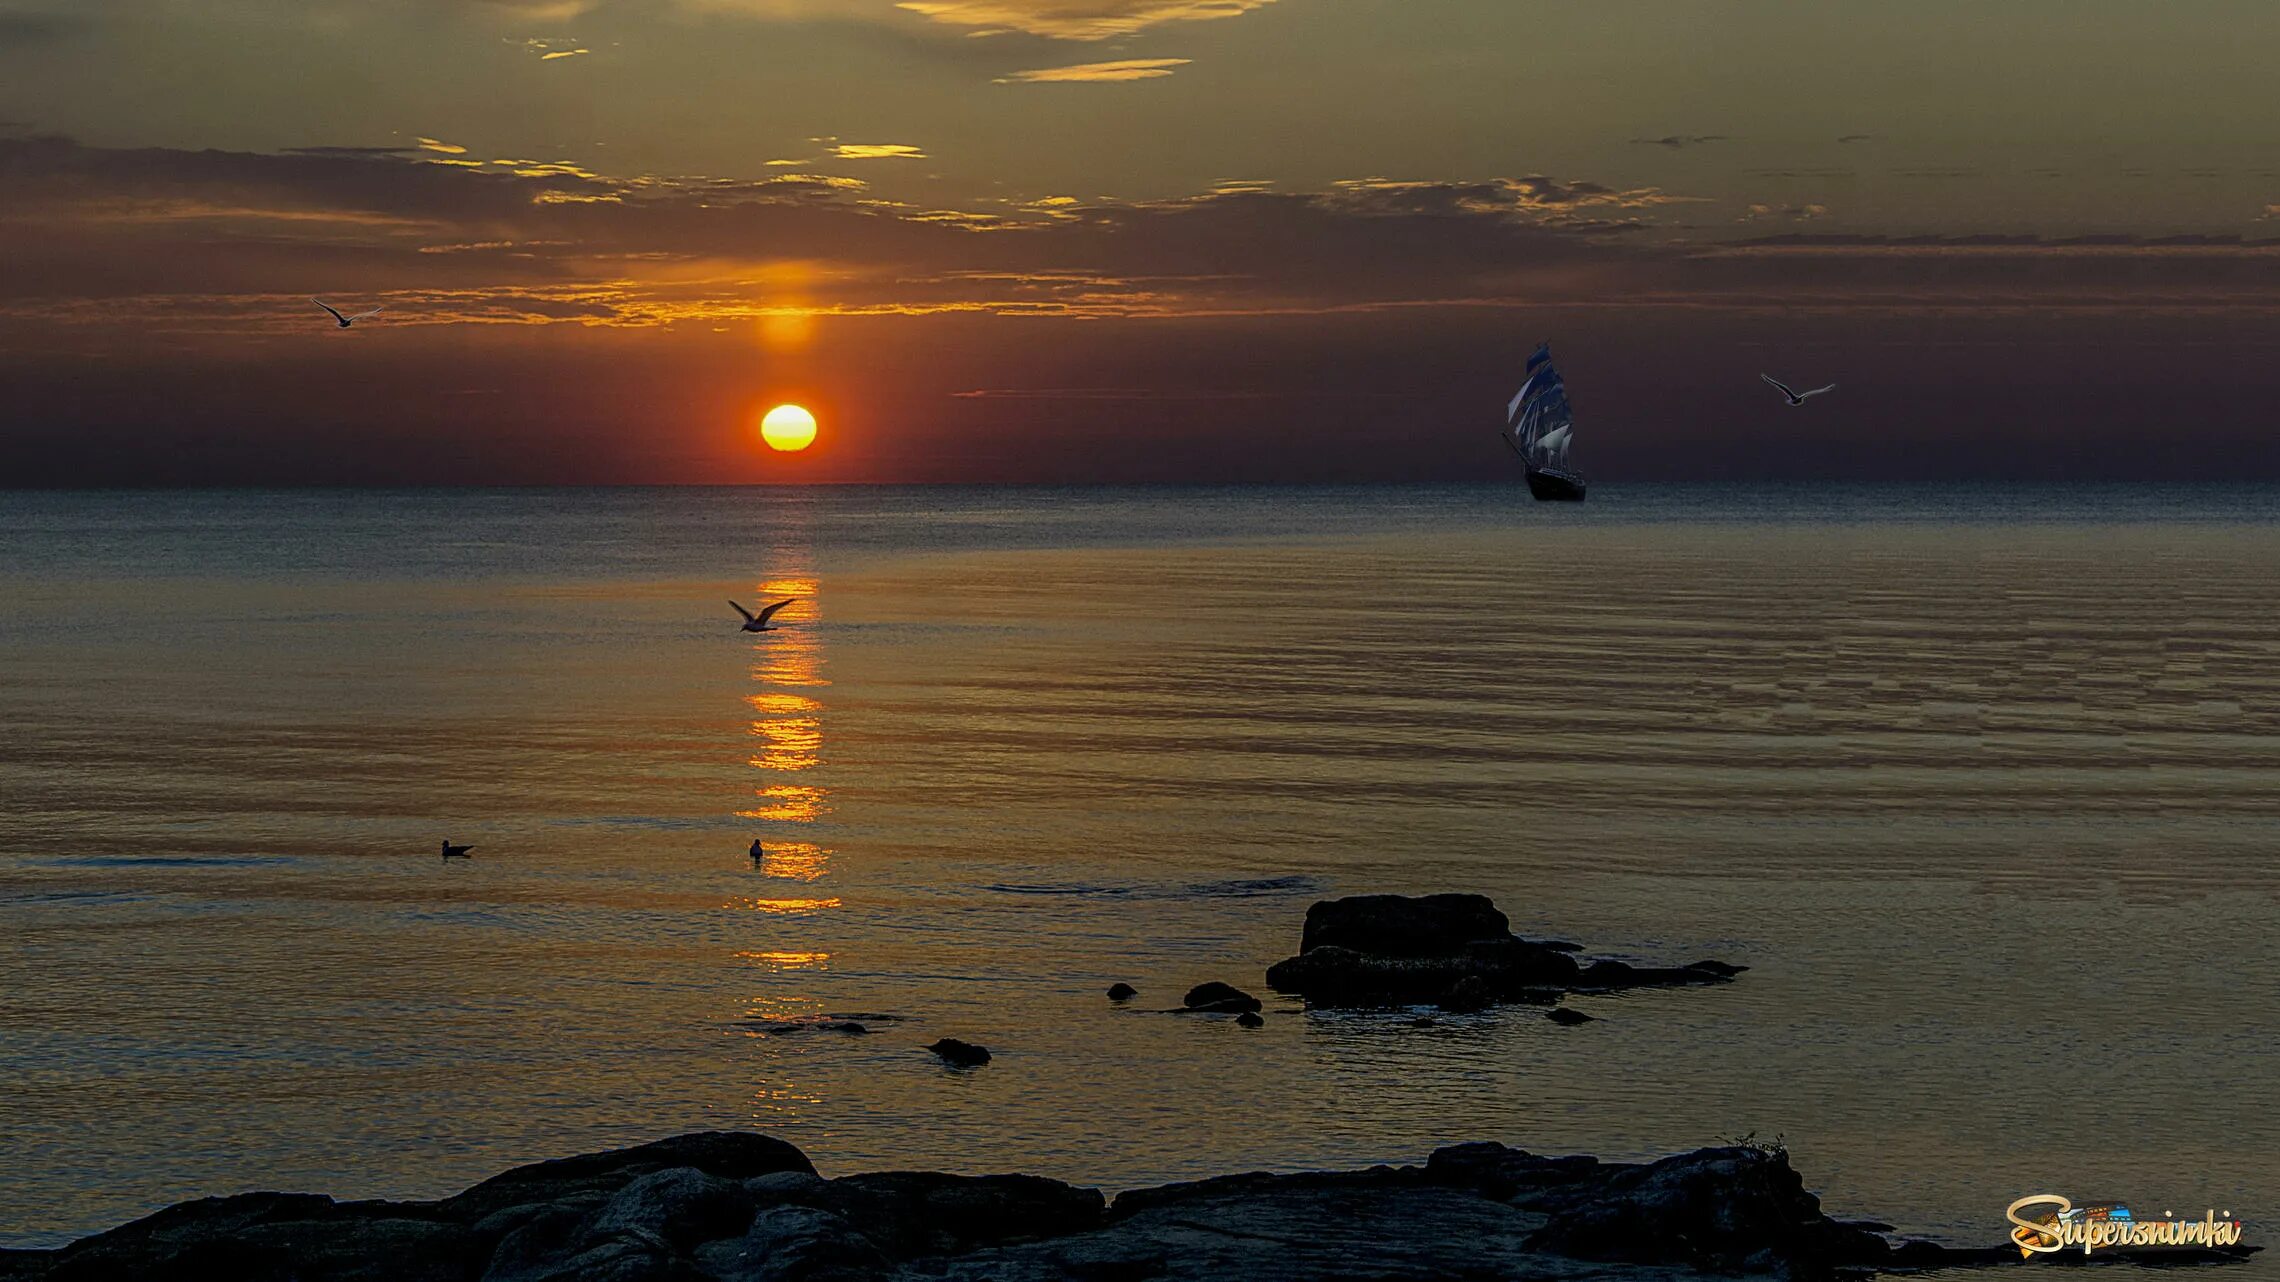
{"points": [[1554, 486]]}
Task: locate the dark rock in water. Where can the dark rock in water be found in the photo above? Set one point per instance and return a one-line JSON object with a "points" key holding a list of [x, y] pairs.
{"points": [[1340, 976], [1218, 998], [1468, 994], [960, 1054], [1250, 1019], [1122, 992], [749, 1209], [1608, 975], [1398, 949], [1563, 1015], [1402, 926]]}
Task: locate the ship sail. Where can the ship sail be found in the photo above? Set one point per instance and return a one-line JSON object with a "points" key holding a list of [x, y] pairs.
{"points": [[1540, 429]]}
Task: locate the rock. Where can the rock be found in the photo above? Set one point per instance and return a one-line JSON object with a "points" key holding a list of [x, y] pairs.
{"points": [[1563, 1015], [1469, 994], [731, 1155], [1472, 1211], [1403, 926], [618, 1260], [1218, 998], [1382, 1226], [1606, 976], [1399, 949], [959, 1054], [1501, 1173], [1122, 992], [680, 1207], [787, 1186], [1719, 1209], [795, 1244], [271, 1237], [1336, 975], [915, 1213], [1250, 1019]]}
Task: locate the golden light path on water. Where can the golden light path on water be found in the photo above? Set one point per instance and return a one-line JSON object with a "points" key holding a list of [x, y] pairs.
{"points": [[787, 720]]}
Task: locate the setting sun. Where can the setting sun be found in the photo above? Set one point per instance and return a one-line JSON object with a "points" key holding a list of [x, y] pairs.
{"points": [[788, 427]]}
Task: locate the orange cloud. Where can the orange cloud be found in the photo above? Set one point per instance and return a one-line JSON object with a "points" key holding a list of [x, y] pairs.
{"points": [[1078, 19], [1097, 72], [875, 151]]}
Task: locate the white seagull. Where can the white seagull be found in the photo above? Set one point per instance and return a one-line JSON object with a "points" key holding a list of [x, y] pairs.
{"points": [[1796, 398], [759, 622], [345, 321]]}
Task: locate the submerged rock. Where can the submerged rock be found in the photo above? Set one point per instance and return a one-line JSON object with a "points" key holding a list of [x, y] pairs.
{"points": [[1473, 1210], [1122, 992], [1251, 1019], [1610, 975], [960, 1054], [1218, 998], [1564, 1015], [1468, 994]]}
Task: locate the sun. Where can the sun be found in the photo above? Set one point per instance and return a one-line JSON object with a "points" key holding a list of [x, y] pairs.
{"points": [[788, 427]]}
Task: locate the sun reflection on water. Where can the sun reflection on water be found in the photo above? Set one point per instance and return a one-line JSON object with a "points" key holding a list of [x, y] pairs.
{"points": [[795, 861]]}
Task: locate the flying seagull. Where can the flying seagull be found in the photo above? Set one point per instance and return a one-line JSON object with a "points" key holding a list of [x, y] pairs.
{"points": [[455, 852], [759, 622], [345, 321], [1796, 398]]}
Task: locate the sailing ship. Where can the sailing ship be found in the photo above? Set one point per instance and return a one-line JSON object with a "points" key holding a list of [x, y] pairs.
{"points": [[1539, 429]]}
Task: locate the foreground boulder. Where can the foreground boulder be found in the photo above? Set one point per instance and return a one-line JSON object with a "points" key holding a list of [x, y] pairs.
{"points": [[1472, 1211], [1455, 950]]}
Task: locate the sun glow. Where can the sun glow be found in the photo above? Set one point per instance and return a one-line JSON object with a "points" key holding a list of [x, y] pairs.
{"points": [[788, 427]]}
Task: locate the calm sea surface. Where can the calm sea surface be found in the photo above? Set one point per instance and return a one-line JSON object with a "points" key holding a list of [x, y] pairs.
{"points": [[1983, 783]]}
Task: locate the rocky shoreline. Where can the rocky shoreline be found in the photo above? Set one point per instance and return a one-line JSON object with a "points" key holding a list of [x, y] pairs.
{"points": [[739, 1207]]}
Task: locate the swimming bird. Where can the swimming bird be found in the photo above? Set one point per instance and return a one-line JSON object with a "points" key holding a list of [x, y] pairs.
{"points": [[1796, 398], [759, 622], [345, 321], [455, 852], [758, 852]]}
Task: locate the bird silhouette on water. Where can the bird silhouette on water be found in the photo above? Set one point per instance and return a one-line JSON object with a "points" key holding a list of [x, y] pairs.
{"points": [[759, 622], [759, 852], [345, 321], [455, 852]]}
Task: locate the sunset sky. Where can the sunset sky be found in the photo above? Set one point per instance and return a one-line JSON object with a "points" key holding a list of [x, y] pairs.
{"points": [[1176, 240]]}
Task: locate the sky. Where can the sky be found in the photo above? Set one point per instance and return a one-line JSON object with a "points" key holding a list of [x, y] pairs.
{"points": [[1132, 240]]}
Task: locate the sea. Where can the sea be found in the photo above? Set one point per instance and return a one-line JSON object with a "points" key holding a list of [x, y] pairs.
{"points": [[1981, 782]]}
